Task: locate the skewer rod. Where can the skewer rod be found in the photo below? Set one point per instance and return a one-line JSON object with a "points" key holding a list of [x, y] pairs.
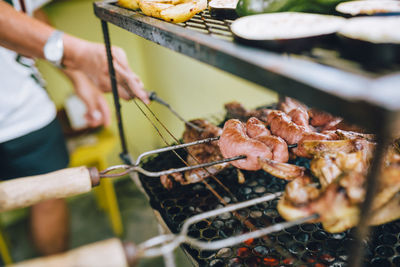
{"points": [[188, 168], [169, 148], [234, 240]]}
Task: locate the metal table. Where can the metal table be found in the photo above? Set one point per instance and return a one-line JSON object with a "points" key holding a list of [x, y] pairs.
{"points": [[319, 78]]}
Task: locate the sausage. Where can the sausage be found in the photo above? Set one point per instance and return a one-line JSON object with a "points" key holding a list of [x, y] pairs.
{"points": [[300, 117], [287, 104], [257, 130], [322, 119], [235, 142], [282, 125]]}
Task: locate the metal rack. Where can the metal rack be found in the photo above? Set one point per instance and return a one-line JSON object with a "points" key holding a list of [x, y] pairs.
{"points": [[370, 99]]}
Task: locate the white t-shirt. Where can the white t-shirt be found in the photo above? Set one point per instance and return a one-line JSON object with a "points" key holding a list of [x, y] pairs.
{"points": [[24, 104]]}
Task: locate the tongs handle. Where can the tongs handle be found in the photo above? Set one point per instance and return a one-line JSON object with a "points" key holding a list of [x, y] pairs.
{"points": [[110, 252], [154, 97], [24, 192]]}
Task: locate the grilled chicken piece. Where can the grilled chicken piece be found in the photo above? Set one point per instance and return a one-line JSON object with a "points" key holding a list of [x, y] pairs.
{"points": [[281, 170], [390, 211], [337, 203], [318, 148], [344, 135], [329, 167], [302, 190], [336, 212]]}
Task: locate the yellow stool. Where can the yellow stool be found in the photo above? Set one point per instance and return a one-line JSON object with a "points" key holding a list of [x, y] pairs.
{"points": [[95, 155], [4, 252]]}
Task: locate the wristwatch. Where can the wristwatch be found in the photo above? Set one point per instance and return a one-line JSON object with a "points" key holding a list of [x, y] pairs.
{"points": [[54, 48]]}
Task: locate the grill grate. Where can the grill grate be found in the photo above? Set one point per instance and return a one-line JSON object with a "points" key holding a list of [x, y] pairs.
{"points": [[307, 243], [204, 23]]}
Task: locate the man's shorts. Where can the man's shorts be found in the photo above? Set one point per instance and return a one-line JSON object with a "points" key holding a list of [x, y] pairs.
{"points": [[36, 153]]}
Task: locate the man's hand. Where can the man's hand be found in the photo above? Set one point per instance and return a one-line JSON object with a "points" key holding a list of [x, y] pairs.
{"points": [[91, 59], [98, 112]]}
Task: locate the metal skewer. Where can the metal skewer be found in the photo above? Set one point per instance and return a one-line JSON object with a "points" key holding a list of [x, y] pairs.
{"points": [[163, 244]]}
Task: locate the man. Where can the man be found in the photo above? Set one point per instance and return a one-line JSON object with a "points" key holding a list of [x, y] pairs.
{"points": [[31, 141]]}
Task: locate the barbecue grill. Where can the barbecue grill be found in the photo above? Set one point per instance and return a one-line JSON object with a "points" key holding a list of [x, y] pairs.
{"points": [[319, 78], [306, 244]]}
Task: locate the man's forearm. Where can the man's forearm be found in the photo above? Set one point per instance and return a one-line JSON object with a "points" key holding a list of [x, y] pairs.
{"points": [[21, 33], [27, 36]]}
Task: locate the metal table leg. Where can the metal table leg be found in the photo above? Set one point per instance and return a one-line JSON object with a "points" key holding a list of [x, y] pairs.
{"points": [[372, 182], [124, 154]]}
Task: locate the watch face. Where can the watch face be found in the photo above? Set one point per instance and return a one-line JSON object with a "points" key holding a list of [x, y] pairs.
{"points": [[54, 49]]}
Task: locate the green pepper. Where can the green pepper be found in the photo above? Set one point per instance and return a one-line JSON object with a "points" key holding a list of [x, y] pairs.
{"points": [[251, 7]]}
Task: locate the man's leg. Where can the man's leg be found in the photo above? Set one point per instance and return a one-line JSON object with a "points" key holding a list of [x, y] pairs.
{"points": [[50, 226]]}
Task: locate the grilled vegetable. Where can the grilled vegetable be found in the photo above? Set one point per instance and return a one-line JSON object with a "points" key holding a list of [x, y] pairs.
{"points": [[153, 9], [223, 9], [374, 41], [131, 4], [287, 31], [183, 12], [370, 7], [175, 11], [252, 7]]}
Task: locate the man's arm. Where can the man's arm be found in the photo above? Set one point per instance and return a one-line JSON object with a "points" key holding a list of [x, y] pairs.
{"points": [[28, 36]]}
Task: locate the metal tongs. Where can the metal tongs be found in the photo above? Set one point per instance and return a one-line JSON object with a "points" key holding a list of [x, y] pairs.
{"points": [[164, 244], [136, 168], [154, 97]]}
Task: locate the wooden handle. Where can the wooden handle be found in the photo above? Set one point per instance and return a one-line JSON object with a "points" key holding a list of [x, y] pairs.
{"points": [[23, 192], [108, 252]]}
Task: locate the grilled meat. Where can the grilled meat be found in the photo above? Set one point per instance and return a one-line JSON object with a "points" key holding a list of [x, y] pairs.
{"points": [[338, 200], [282, 125], [234, 141], [323, 120], [281, 170], [257, 130], [235, 110], [287, 104], [198, 154], [317, 148], [205, 152]]}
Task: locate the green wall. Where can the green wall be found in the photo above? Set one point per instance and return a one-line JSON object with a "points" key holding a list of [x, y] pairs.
{"points": [[194, 89]]}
